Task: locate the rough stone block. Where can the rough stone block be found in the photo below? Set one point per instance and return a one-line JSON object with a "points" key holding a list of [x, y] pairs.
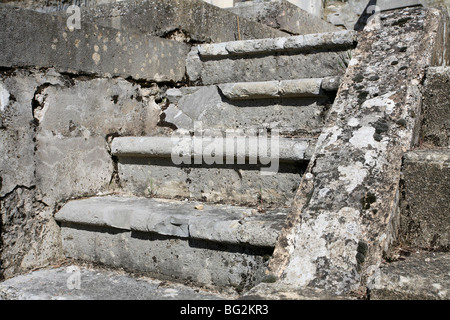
{"points": [[297, 117], [425, 214], [435, 129], [421, 276], [72, 152], [29, 235], [92, 49], [185, 20]]}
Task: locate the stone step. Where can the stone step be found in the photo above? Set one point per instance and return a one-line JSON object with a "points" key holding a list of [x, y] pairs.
{"points": [[213, 169], [286, 58], [208, 244], [87, 282], [282, 15], [184, 20], [92, 49], [425, 201], [420, 276], [293, 107]]}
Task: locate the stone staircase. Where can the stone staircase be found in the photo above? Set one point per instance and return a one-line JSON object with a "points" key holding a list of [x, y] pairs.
{"points": [[205, 198], [214, 218]]}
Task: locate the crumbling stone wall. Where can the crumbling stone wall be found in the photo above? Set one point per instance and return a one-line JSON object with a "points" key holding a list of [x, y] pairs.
{"points": [[57, 117]]}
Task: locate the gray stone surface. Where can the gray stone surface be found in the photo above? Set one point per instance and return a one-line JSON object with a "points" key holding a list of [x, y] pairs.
{"points": [[219, 223], [298, 88], [284, 16], [340, 225], [201, 262], [93, 49], [289, 58], [294, 149], [421, 276], [235, 184], [75, 121], [183, 20], [293, 117], [29, 236], [425, 214], [83, 282], [435, 128]]}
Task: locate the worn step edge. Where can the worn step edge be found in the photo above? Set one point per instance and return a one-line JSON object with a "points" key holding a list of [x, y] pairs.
{"points": [[296, 88], [238, 147], [326, 40], [218, 223]]}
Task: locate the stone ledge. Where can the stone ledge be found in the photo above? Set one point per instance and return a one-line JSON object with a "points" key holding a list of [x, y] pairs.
{"points": [[327, 40], [217, 223], [93, 49], [297, 88], [294, 149]]}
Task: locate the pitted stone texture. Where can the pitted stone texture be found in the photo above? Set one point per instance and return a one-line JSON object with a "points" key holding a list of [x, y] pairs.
{"points": [[425, 218], [348, 198], [232, 183], [90, 50], [421, 276], [436, 108], [298, 117], [218, 223], [98, 283], [72, 154], [221, 148], [29, 236], [284, 16], [309, 56], [199, 262], [184, 20]]}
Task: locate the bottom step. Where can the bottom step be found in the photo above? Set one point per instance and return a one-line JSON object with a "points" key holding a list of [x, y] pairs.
{"points": [[75, 282], [217, 245]]}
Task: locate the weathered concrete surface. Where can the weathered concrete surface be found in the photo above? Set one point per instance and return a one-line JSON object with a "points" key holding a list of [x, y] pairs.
{"points": [[75, 121], [421, 276], [435, 128], [218, 223], [293, 117], [92, 49], [242, 147], [425, 205], [307, 56], [298, 88], [339, 226], [98, 284], [202, 262], [183, 20], [29, 237], [233, 183], [284, 16]]}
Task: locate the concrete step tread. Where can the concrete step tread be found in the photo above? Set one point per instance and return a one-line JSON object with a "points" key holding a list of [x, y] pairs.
{"points": [[219, 223], [422, 275], [83, 282], [289, 149], [295, 88], [325, 40]]}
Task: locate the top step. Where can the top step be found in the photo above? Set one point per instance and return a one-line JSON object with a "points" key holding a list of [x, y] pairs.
{"points": [[307, 56]]}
